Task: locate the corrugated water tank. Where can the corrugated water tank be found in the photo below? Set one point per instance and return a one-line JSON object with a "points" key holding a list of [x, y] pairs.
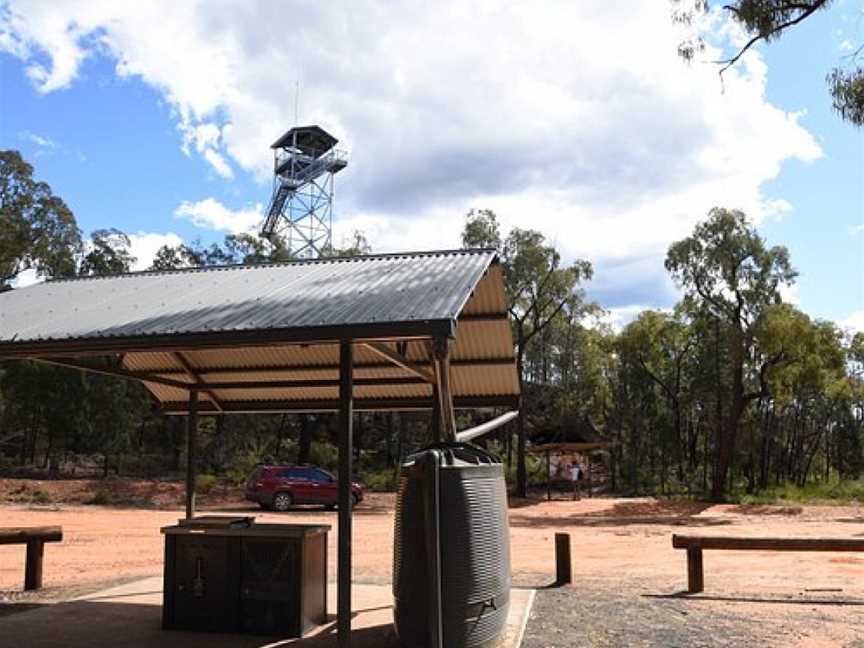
{"points": [[451, 565]]}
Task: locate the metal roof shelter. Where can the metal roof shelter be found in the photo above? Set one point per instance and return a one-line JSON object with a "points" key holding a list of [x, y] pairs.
{"points": [[402, 331], [566, 447]]}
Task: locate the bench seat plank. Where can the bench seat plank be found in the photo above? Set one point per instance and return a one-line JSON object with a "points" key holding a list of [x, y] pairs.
{"points": [[696, 544], [21, 535], [767, 544]]}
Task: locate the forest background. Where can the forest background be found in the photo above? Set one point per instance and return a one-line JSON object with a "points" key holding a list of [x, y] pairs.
{"points": [[732, 393]]}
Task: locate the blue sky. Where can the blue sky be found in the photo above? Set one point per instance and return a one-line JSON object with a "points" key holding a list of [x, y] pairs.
{"points": [[158, 122]]}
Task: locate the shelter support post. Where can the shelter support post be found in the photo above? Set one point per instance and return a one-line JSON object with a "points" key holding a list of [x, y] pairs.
{"points": [[346, 450], [443, 394], [548, 477], [191, 450]]}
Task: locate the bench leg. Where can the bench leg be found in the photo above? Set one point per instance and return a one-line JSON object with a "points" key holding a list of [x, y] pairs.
{"points": [[33, 565], [695, 577]]}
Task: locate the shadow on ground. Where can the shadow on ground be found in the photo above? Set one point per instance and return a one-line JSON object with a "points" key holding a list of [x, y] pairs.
{"points": [[659, 512], [240, 509], [759, 509], [732, 598], [99, 623]]}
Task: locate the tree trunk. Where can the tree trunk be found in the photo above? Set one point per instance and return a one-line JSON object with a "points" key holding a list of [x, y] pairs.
{"points": [[304, 445], [521, 473]]}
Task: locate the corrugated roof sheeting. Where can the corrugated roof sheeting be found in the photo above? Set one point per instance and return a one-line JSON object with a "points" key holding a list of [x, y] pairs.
{"points": [[483, 339], [487, 297], [338, 292], [443, 285], [483, 381]]}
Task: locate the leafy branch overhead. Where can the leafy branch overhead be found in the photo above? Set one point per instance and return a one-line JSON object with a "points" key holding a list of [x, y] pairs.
{"points": [[768, 20]]}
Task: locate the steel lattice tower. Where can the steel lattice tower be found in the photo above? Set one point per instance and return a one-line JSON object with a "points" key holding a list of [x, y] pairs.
{"points": [[301, 209]]}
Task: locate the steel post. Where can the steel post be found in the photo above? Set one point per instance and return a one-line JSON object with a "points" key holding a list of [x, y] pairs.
{"points": [[346, 450], [191, 434]]}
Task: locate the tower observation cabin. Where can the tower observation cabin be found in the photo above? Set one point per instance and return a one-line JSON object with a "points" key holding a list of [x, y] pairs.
{"points": [[301, 207]]}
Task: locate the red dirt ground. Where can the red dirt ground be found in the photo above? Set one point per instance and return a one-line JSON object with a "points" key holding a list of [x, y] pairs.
{"points": [[614, 541]]}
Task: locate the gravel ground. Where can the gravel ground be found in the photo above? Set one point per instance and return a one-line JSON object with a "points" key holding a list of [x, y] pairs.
{"points": [[595, 615], [623, 562]]}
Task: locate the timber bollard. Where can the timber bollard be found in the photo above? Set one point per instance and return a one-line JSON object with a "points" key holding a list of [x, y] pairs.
{"points": [[563, 566]]}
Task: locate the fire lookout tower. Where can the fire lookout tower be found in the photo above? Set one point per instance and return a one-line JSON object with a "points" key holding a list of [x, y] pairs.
{"points": [[301, 208]]}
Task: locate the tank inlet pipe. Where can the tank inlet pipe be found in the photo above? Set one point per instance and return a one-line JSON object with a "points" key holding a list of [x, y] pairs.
{"points": [[485, 428]]}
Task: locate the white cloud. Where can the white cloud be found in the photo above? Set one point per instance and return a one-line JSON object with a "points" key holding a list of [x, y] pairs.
{"points": [[144, 245], [42, 141], [219, 163], [212, 214], [618, 318], [790, 294], [575, 118], [854, 323]]}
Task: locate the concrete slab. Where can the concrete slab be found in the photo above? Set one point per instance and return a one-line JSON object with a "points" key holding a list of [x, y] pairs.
{"points": [[130, 615]]}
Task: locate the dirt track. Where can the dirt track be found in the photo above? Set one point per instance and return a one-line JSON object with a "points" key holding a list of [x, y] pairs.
{"points": [[620, 546]]}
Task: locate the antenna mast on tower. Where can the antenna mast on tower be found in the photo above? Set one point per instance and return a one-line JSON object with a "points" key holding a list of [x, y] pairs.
{"points": [[301, 207]]}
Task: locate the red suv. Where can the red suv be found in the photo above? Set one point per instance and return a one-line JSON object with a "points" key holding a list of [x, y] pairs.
{"points": [[280, 487]]}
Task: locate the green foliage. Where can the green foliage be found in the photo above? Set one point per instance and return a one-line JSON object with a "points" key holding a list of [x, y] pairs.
{"points": [[384, 480], [838, 492], [205, 482], [24, 493], [252, 454], [731, 391], [481, 230], [768, 20], [847, 93], [108, 254], [325, 455], [37, 229]]}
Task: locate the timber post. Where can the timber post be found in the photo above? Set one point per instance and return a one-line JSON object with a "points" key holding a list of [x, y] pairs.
{"points": [[548, 477], [563, 564], [444, 395], [695, 574]]}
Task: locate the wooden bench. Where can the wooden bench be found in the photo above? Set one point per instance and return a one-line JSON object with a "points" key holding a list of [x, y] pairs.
{"points": [[35, 539], [695, 545]]}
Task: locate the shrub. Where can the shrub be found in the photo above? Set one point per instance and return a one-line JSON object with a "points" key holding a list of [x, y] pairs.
{"points": [[325, 455], [40, 496], [830, 492], [204, 483], [380, 480]]}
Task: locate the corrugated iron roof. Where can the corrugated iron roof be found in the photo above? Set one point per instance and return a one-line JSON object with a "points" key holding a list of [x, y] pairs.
{"points": [[328, 293], [265, 338]]}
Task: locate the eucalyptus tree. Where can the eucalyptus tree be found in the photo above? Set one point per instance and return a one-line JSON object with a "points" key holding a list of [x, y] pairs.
{"points": [[732, 277], [539, 286], [661, 344], [108, 252], [37, 229], [769, 20]]}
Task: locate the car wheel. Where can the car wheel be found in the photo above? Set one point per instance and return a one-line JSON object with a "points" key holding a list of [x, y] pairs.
{"points": [[329, 507], [354, 500], [282, 501]]}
